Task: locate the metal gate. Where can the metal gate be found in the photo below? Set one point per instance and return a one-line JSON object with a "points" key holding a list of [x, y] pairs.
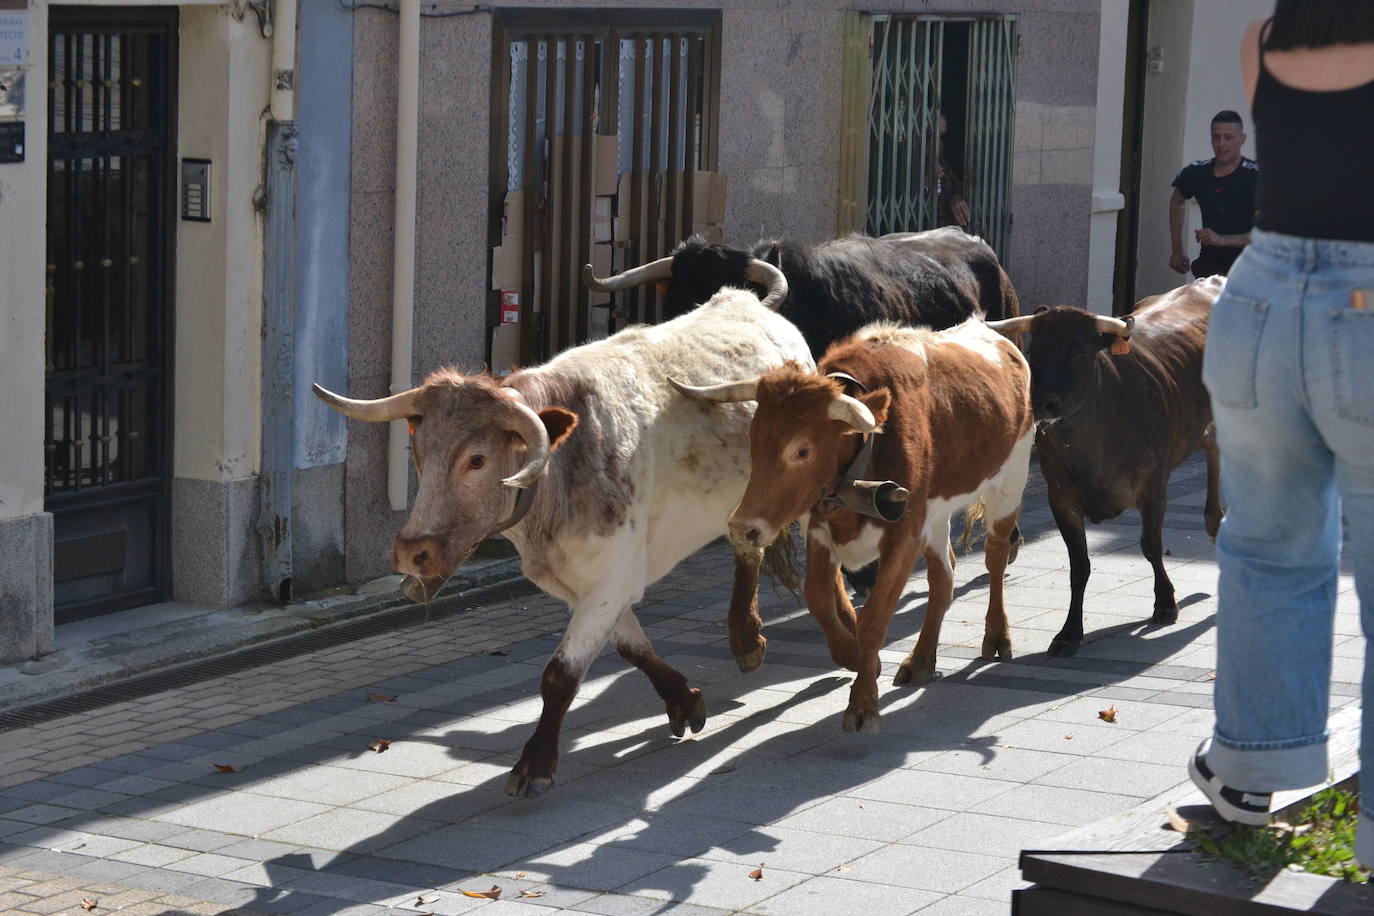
{"points": [[577, 88], [900, 73], [109, 256]]}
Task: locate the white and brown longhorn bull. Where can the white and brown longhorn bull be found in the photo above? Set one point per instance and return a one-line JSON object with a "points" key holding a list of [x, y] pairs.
{"points": [[602, 476], [954, 407]]}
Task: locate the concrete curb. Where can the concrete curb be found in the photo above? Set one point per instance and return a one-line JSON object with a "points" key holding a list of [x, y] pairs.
{"points": [[96, 653]]}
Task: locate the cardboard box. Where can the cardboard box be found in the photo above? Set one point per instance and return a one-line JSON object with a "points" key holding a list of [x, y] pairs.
{"points": [[599, 322], [513, 214], [708, 196], [603, 264], [601, 219], [715, 208], [510, 307], [505, 262], [709, 231], [505, 348], [607, 164]]}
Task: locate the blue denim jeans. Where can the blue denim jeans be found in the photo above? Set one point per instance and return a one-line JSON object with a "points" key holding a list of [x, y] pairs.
{"points": [[1290, 368]]}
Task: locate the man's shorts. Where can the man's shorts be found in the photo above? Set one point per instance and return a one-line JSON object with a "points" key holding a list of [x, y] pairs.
{"points": [[1215, 261]]}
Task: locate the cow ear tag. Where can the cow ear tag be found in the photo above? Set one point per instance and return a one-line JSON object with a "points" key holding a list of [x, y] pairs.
{"points": [[1121, 346], [662, 287], [1359, 299], [410, 427]]}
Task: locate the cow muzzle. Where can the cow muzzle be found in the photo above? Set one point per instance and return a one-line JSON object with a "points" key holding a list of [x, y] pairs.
{"points": [[426, 565], [748, 535]]}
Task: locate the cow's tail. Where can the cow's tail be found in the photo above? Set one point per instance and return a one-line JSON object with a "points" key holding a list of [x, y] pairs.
{"points": [[973, 514], [780, 560], [1010, 301]]}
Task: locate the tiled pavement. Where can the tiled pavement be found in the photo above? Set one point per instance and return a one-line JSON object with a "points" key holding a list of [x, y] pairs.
{"points": [[125, 805]]}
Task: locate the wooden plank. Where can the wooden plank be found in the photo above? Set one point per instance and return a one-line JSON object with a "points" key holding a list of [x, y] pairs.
{"points": [[586, 189], [564, 250], [636, 252], [1192, 884], [1049, 901], [653, 308], [672, 204]]}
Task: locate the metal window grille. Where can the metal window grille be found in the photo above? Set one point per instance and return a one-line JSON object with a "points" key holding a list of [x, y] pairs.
{"points": [[896, 83], [108, 247], [565, 83]]}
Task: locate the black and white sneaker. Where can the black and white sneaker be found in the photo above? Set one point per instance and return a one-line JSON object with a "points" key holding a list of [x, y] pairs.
{"points": [[1234, 805]]}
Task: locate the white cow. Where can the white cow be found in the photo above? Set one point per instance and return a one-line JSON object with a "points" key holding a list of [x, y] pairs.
{"points": [[602, 475]]}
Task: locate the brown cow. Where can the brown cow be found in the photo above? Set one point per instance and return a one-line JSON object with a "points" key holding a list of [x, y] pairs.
{"points": [[954, 407], [1114, 422]]}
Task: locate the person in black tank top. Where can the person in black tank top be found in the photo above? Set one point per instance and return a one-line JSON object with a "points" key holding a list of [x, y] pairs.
{"points": [[1289, 366]]}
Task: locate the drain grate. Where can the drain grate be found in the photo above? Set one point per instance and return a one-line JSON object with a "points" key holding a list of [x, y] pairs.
{"points": [[265, 654]]}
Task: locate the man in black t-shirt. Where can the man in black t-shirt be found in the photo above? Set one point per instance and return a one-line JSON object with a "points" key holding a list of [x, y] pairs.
{"points": [[1225, 190]]}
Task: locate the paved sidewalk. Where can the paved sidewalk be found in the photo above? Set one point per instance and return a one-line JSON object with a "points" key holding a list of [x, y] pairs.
{"points": [[125, 805]]}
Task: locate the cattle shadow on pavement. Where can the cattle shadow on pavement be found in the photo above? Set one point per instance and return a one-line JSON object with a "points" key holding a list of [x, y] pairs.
{"points": [[633, 808]]}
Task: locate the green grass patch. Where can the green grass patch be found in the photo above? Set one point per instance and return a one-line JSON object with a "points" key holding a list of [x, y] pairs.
{"points": [[1320, 841]]}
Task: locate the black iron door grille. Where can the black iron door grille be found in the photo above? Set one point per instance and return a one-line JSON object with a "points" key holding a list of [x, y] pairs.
{"points": [[110, 131]]}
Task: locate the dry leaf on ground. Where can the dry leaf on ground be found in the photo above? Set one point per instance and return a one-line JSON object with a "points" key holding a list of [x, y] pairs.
{"points": [[531, 893], [1179, 822], [379, 745], [226, 768], [1211, 675], [725, 768], [381, 698], [89, 904], [493, 894], [425, 898], [495, 652], [1108, 714], [757, 874]]}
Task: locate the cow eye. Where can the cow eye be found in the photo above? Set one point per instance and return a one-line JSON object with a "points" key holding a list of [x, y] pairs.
{"points": [[476, 461], [803, 454]]}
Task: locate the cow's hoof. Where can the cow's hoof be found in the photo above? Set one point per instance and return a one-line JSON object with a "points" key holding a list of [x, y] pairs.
{"points": [[694, 718], [1063, 648], [520, 786], [915, 671], [1165, 615], [999, 647], [868, 722], [752, 661]]}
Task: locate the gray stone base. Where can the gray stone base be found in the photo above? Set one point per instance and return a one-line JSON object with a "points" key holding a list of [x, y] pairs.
{"points": [[317, 534], [26, 620], [216, 560]]}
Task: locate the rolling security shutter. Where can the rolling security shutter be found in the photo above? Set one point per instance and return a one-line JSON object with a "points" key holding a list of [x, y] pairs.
{"points": [[988, 143]]}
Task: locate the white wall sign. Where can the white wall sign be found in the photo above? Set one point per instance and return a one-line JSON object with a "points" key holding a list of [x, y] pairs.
{"points": [[14, 38]]}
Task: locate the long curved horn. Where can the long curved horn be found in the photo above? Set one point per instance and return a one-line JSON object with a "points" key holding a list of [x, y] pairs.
{"points": [[662, 269], [772, 279], [395, 407], [526, 424], [724, 393], [852, 411], [1108, 325], [1016, 325]]}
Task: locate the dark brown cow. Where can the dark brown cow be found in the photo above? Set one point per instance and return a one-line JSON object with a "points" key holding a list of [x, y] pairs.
{"points": [[1114, 425], [955, 410]]}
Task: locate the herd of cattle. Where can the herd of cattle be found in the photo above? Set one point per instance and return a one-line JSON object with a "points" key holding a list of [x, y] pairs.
{"points": [[870, 388]]}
